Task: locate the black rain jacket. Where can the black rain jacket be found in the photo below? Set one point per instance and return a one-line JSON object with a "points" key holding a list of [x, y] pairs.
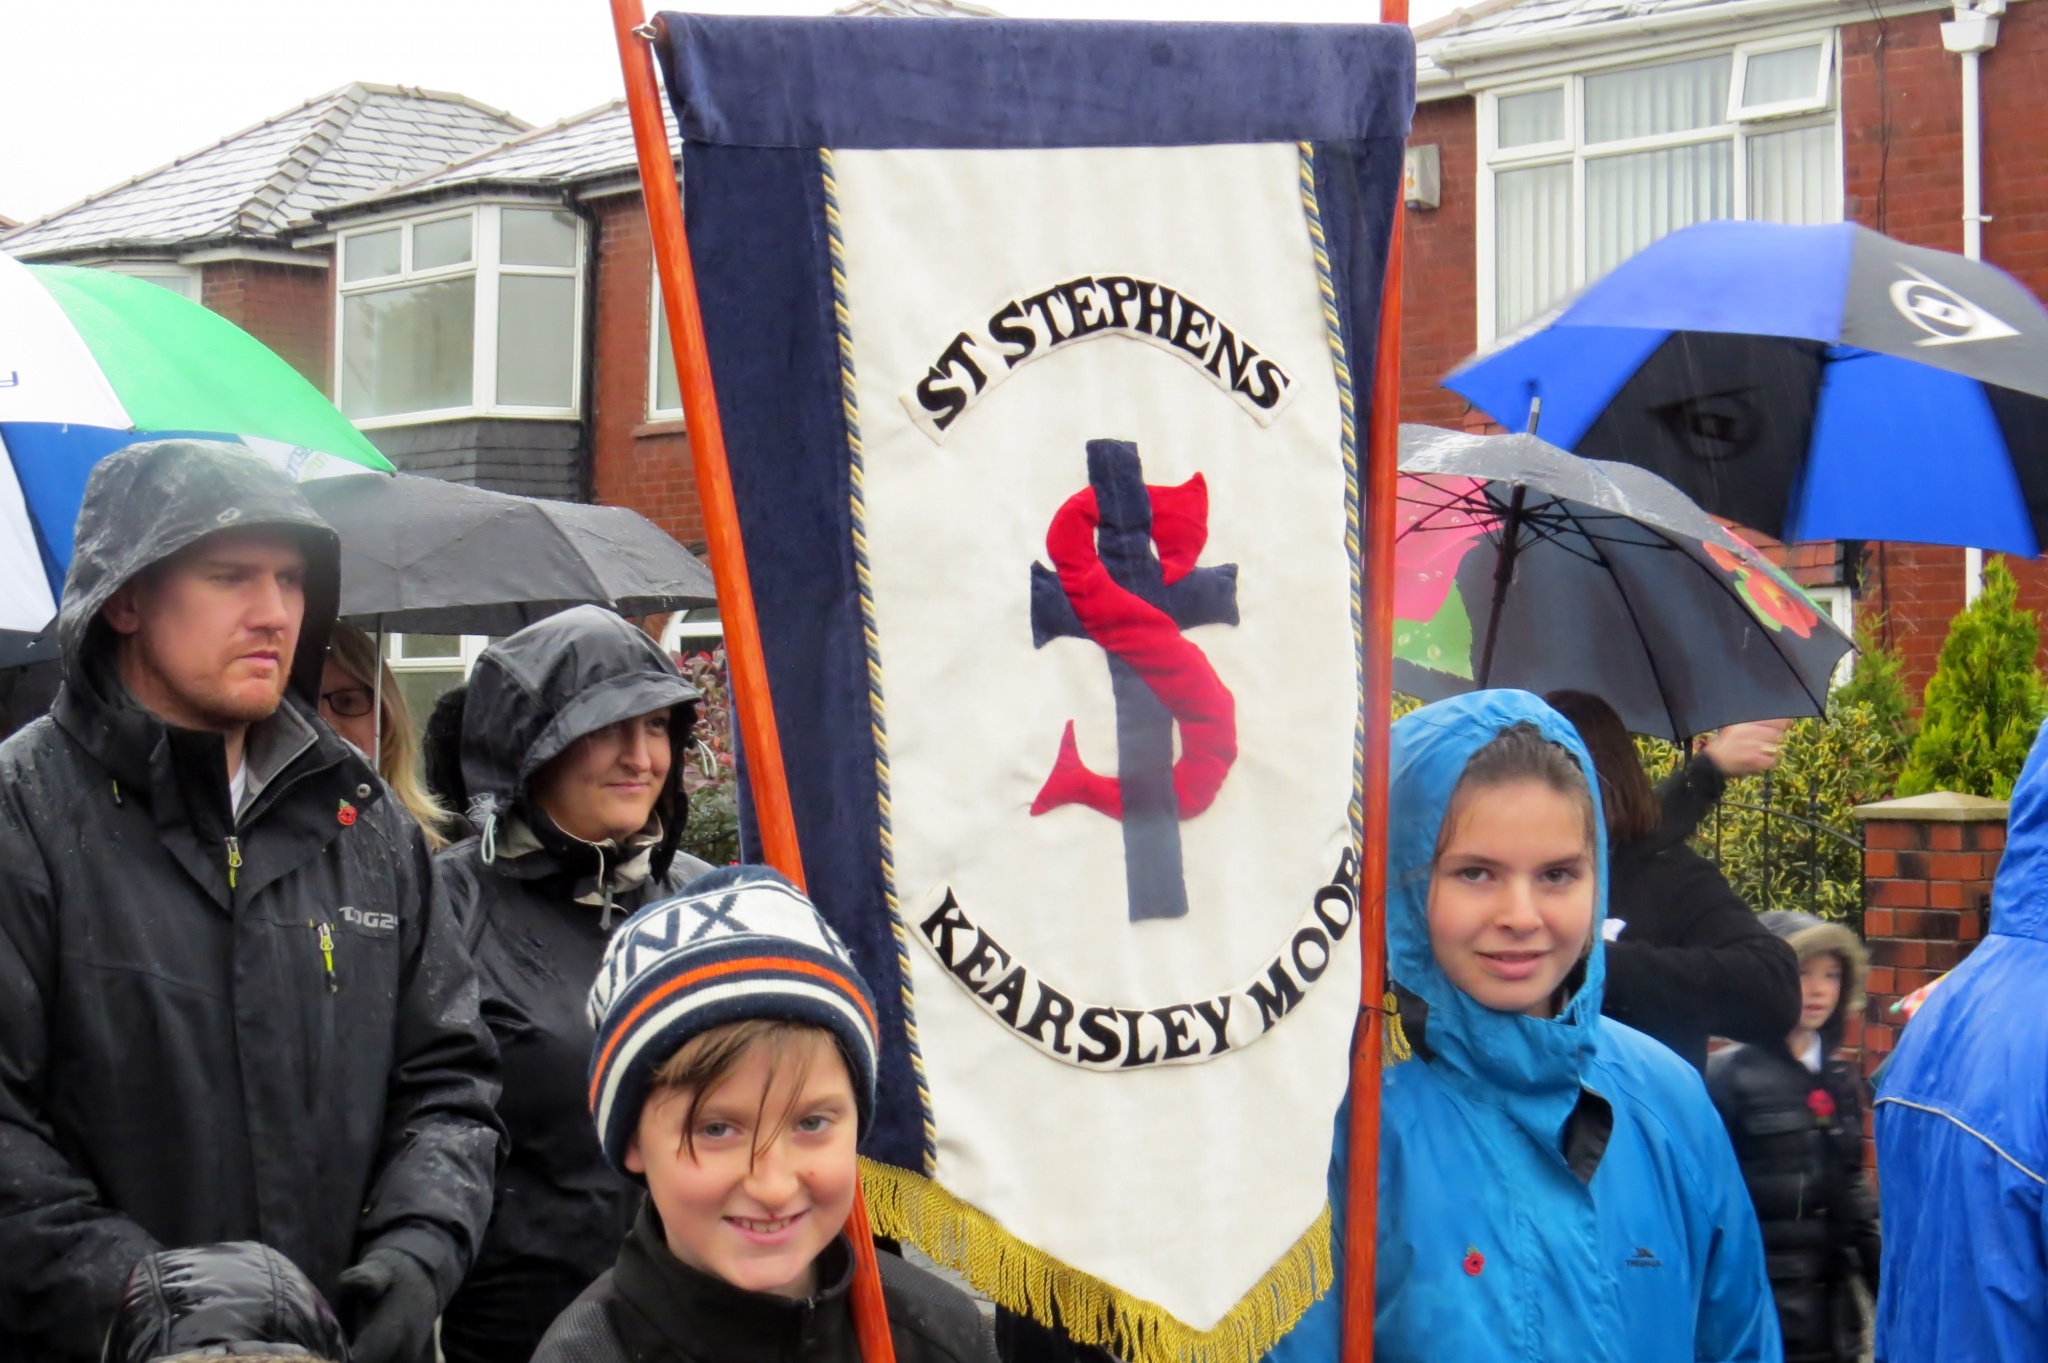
{"points": [[538, 907], [653, 1308], [1691, 960], [216, 1028], [1799, 1136]]}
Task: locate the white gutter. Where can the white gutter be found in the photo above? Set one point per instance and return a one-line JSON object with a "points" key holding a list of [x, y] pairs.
{"points": [[1972, 33], [1709, 13]]}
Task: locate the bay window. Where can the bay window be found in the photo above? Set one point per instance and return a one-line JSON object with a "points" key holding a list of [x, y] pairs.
{"points": [[477, 312], [1582, 171]]}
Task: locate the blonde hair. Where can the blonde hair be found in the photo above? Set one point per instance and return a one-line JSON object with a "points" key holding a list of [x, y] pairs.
{"points": [[398, 762]]}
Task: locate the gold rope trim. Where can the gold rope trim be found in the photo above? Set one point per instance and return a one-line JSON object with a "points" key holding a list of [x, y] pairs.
{"points": [[1394, 1045], [907, 1206]]}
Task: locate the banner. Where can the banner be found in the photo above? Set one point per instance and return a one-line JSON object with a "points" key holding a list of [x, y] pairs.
{"points": [[1040, 353]]}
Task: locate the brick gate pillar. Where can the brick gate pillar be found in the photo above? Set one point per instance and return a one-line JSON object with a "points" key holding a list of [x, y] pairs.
{"points": [[1928, 863]]}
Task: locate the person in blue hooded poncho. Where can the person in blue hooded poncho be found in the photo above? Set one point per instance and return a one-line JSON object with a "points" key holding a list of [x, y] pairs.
{"points": [[1553, 1185], [1962, 1130]]}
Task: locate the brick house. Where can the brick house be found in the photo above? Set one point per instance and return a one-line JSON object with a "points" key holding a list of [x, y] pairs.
{"points": [[222, 225], [479, 295], [1569, 133]]}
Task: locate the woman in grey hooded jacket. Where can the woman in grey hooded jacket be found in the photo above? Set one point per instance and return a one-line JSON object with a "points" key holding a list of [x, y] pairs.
{"points": [[573, 732]]}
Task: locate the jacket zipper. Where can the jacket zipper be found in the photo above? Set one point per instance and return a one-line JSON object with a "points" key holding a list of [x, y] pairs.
{"points": [[327, 955], [234, 860]]}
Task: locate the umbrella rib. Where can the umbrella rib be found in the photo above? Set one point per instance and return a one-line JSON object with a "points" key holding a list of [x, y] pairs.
{"points": [[1649, 654]]}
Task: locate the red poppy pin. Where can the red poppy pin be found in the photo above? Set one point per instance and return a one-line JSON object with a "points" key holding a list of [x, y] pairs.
{"points": [[346, 815], [1822, 1104], [1475, 1262]]}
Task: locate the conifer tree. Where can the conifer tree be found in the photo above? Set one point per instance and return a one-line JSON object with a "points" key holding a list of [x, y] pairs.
{"points": [[1879, 685], [1985, 699]]}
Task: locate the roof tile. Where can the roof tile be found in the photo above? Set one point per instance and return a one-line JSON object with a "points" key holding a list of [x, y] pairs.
{"points": [[257, 182]]}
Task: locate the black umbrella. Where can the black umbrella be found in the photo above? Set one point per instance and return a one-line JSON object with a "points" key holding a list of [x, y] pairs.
{"points": [[1521, 565], [434, 557]]}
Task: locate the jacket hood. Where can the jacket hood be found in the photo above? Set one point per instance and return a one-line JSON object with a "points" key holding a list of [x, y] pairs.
{"points": [[534, 693], [1809, 937], [1531, 1066], [2019, 896], [147, 501], [239, 1298]]}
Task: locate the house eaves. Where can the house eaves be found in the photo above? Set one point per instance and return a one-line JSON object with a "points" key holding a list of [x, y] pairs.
{"points": [[1493, 44], [586, 154]]}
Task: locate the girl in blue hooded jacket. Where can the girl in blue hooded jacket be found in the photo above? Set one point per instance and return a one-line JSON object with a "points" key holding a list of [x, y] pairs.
{"points": [[1554, 1185]]}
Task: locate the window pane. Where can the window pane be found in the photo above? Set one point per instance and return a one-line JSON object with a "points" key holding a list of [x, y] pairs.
{"points": [[1528, 119], [422, 689], [530, 236], [1533, 233], [536, 340], [409, 349], [370, 256], [1650, 100], [1631, 201], [430, 645], [1775, 77], [1791, 174], [668, 391], [435, 244]]}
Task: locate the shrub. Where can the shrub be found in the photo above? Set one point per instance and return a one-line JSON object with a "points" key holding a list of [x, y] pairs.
{"points": [[1985, 699], [711, 778], [1789, 839]]}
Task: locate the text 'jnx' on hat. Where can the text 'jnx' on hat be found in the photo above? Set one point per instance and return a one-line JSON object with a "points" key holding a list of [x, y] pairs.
{"points": [[742, 944]]}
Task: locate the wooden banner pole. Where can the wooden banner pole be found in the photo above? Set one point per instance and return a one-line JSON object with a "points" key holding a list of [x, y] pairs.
{"points": [[1382, 472], [742, 627]]}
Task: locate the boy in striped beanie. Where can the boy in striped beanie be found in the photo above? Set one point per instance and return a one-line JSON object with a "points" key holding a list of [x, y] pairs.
{"points": [[733, 1072]]}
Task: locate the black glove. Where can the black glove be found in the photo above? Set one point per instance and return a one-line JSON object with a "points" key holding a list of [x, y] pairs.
{"points": [[389, 1303]]}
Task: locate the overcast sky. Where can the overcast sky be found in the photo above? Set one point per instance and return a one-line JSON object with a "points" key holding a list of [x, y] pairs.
{"points": [[96, 93]]}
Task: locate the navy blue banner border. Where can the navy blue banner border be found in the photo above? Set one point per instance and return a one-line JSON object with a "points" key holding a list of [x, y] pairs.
{"points": [[759, 244]]}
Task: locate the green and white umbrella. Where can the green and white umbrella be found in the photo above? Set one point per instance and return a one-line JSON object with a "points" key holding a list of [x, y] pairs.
{"points": [[91, 361]]}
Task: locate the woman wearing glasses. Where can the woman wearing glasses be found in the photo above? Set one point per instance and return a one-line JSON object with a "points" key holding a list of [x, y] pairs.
{"points": [[347, 698]]}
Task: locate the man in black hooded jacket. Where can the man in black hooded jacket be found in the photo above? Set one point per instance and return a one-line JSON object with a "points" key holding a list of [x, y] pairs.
{"points": [[233, 1005]]}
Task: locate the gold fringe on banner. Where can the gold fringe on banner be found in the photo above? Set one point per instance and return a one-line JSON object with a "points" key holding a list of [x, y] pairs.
{"points": [[907, 1206]]}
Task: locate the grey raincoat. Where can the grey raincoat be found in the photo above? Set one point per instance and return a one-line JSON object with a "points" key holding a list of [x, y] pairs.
{"points": [[539, 906], [214, 1027]]}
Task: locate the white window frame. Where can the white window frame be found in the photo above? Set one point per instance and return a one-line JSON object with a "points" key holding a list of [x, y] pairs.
{"points": [[1576, 152], [186, 281], [1840, 604], [1814, 101], [470, 649], [654, 321], [487, 268], [692, 636]]}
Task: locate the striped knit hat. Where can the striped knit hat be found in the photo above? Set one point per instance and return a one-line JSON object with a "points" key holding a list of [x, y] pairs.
{"points": [[742, 944]]}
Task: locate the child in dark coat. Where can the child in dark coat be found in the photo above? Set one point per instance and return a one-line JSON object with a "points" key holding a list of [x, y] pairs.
{"points": [[1795, 1114], [733, 1071]]}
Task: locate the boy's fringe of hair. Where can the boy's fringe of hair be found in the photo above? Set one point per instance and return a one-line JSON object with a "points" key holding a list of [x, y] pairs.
{"points": [[907, 1206]]}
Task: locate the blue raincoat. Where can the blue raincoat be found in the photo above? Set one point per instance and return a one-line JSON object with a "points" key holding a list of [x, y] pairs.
{"points": [[1962, 1130], [1490, 1245]]}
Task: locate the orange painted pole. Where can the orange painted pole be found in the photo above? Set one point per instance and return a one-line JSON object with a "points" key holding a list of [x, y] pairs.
{"points": [[1382, 471], [742, 627]]}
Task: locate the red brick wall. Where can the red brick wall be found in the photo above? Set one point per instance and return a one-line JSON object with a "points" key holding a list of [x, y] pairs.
{"points": [[289, 308], [635, 464], [1927, 892], [2015, 94], [1439, 287], [1921, 586]]}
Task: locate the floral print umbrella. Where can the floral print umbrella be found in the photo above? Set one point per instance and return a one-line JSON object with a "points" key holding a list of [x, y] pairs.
{"points": [[1520, 565]]}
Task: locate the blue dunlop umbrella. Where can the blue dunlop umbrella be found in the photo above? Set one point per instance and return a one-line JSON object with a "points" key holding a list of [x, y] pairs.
{"points": [[1519, 565], [1808, 382]]}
